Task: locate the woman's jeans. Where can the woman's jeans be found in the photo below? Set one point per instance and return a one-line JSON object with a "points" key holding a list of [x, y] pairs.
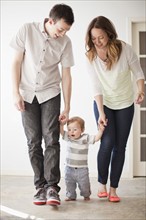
{"points": [[40, 121], [113, 143]]}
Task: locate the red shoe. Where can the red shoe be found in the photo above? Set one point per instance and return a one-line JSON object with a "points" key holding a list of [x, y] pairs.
{"points": [[40, 197], [102, 194], [114, 198], [52, 197]]}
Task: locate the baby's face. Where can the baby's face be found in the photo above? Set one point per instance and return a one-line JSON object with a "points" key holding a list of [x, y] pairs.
{"points": [[74, 130]]}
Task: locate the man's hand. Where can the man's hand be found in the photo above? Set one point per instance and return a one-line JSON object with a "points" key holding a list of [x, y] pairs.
{"points": [[19, 103], [63, 117]]}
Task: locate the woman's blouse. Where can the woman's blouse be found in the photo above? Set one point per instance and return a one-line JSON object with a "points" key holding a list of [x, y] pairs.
{"points": [[116, 85]]}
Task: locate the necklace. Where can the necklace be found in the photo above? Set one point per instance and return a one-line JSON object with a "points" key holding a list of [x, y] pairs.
{"points": [[102, 54], [105, 60]]}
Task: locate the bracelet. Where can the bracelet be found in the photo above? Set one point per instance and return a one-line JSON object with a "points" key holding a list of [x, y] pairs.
{"points": [[141, 93]]}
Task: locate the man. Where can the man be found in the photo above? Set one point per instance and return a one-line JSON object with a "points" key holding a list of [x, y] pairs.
{"points": [[39, 48]]}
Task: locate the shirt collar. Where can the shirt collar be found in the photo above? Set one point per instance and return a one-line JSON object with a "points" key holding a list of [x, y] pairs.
{"points": [[42, 28]]}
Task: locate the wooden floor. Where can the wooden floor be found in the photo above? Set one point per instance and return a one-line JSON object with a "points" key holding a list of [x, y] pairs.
{"points": [[17, 193]]}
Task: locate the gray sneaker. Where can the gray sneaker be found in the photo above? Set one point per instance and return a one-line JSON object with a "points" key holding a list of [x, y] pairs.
{"points": [[40, 197], [52, 197]]}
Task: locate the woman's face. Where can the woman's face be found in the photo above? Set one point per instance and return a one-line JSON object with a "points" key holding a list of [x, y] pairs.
{"points": [[99, 38]]}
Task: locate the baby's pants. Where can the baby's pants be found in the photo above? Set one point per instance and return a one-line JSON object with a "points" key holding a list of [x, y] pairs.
{"points": [[77, 176]]}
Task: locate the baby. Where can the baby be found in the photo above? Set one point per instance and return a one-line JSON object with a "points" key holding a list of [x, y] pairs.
{"points": [[76, 170]]}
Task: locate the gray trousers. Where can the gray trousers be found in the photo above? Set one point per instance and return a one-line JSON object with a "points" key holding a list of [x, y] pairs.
{"points": [[40, 122], [77, 176]]}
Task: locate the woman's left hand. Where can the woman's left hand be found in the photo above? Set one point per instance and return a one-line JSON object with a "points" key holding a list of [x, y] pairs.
{"points": [[139, 98]]}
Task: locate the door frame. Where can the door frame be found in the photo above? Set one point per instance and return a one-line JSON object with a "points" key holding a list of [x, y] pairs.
{"points": [[131, 21]]}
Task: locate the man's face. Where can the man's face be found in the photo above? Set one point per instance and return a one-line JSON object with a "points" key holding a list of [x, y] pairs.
{"points": [[58, 28]]}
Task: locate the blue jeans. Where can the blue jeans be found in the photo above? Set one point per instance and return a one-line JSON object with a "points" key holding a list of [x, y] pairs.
{"points": [[74, 176], [113, 143], [40, 121]]}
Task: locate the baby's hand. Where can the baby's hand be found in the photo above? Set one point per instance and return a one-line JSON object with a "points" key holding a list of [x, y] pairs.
{"points": [[101, 127], [62, 122]]}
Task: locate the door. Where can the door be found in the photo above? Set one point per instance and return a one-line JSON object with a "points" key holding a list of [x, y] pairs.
{"points": [[139, 160]]}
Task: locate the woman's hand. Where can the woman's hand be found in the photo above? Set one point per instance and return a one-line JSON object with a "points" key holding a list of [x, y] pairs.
{"points": [[102, 121], [139, 98]]}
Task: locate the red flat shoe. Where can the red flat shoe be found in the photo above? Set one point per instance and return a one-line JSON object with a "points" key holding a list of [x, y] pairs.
{"points": [[114, 199], [102, 194]]}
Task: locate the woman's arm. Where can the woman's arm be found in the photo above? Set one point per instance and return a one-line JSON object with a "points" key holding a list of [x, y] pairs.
{"points": [[140, 94], [102, 117], [137, 72]]}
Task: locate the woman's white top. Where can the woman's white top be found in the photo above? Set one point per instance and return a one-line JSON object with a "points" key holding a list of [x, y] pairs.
{"points": [[116, 85]]}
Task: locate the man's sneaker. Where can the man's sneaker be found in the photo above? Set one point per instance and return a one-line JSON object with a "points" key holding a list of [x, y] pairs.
{"points": [[40, 197], [52, 197]]}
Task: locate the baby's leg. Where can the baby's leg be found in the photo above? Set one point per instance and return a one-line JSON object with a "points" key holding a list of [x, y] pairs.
{"points": [[84, 183], [70, 184]]}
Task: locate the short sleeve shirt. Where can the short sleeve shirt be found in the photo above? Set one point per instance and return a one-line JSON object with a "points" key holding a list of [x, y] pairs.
{"points": [[77, 150], [40, 74]]}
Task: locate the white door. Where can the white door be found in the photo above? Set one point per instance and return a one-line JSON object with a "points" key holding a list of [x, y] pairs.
{"points": [[139, 160]]}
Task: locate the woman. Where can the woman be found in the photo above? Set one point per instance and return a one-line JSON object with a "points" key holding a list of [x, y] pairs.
{"points": [[110, 63]]}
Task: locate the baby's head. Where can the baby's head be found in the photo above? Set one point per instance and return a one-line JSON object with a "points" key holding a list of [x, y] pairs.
{"points": [[75, 127]]}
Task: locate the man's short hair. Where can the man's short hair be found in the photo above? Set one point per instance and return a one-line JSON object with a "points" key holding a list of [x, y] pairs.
{"points": [[62, 11]]}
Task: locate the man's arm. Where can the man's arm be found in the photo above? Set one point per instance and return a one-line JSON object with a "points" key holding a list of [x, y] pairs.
{"points": [[16, 76], [66, 89]]}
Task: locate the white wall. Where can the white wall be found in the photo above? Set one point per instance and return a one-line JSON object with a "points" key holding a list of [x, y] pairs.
{"points": [[14, 156]]}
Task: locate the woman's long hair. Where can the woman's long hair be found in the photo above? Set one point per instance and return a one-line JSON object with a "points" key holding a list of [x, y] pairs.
{"points": [[114, 46]]}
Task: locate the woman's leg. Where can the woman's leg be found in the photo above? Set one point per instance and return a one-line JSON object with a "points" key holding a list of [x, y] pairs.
{"points": [[106, 147], [123, 120]]}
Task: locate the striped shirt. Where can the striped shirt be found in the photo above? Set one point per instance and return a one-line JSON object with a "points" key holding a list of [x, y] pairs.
{"points": [[77, 150]]}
